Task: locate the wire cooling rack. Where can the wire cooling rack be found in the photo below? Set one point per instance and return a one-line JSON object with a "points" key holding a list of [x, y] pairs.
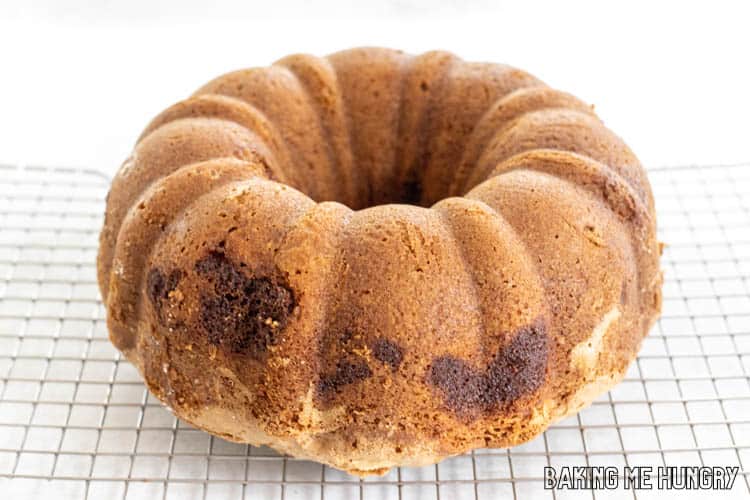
{"points": [[77, 422]]}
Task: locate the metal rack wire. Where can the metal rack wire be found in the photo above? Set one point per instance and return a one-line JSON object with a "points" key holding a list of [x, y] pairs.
{"points": [[77, 422]]}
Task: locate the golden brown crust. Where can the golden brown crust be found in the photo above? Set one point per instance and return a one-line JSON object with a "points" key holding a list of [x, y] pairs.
{"points": [[261, 268]]}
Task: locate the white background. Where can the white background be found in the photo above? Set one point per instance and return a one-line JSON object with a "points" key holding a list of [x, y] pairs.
{"points": [[79, 80]]}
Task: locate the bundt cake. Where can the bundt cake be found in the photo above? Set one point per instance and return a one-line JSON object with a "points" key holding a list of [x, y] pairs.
{"points": [[375, 259]]}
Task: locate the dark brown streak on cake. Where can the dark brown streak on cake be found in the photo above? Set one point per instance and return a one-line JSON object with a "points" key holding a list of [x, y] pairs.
{"points": [[388, 352], [350, 366], [159, 286], [242, 314], [516, 370], [347, 372]]}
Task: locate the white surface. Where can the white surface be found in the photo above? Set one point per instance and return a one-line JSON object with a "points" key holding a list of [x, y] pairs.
{"points": [[79, 80]]}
